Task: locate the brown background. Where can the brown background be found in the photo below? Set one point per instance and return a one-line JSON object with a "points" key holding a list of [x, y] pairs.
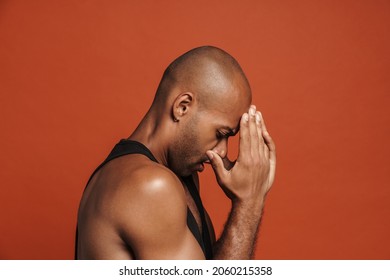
{"points": [[77, 76]]}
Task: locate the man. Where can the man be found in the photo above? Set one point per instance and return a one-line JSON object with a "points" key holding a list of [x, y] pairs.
{"points": [[143, 201]]}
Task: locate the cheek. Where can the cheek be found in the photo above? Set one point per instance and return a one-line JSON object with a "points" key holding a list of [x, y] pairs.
{"points": [[207, 135]]}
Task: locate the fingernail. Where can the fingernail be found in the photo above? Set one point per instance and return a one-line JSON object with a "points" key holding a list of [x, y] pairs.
{"points": [[246, 117], [252, 111]]}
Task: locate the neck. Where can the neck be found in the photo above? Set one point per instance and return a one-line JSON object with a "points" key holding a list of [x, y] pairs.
{"points": [[153, 132]]}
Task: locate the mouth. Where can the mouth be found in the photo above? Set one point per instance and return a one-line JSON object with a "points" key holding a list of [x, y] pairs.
{"points": [[200, 167]]}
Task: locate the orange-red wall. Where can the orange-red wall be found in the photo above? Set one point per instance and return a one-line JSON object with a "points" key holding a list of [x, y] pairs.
{"points": [[76, 76]]}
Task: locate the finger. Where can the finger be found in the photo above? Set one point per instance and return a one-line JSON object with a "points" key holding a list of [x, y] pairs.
{"points": [[272, 154], [218, 166], [270, 145], [244, 138], [263, 124], [260, 129], [260, 132], [253, 130]]}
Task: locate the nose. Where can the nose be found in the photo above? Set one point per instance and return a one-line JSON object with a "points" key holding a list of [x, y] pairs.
{"points": [[221, 148]]}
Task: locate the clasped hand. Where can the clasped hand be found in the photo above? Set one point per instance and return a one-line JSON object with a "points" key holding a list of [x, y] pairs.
{"points": [[251, 176]]}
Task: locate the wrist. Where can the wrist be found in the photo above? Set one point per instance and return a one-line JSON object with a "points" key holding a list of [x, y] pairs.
{"points": [[253, 206]]}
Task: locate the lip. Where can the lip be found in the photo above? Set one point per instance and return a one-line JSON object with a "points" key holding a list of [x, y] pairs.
{"points": [[200, 167]]}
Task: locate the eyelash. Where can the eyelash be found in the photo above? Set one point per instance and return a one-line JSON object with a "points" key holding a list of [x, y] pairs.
{"points": [[221, 135]]}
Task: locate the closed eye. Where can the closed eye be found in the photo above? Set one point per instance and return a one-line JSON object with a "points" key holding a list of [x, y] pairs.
{"points": [[221, 135]]}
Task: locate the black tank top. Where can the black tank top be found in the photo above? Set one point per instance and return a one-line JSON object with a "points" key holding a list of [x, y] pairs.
{"points": [[126, 147]]}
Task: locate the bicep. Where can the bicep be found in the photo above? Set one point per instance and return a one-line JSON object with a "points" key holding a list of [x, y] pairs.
{"points": [[171, 244]]}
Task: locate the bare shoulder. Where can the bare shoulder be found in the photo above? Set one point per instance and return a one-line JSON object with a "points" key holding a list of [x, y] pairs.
{"points": [[138, 206], [143, 199], [145, 183]]}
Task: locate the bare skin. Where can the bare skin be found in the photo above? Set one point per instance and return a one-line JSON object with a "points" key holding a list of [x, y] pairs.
{"points": [[134, 208]]}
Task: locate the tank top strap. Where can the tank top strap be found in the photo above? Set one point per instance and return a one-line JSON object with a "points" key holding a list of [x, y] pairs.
{"points": [[125, 147], [206, 244]]}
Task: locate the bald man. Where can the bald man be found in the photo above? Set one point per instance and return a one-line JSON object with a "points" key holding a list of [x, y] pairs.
{"points": [[143, 201]]}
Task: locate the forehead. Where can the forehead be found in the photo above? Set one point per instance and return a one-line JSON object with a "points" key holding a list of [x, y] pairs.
{"points": [[224, 105], [227, 110], [225, 119]]}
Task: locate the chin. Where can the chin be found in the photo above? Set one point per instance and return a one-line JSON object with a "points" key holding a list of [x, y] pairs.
{"points": [[181, 172], [185, 173]]}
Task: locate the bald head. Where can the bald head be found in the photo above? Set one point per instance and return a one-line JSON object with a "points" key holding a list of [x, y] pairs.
{"points": [[198, 105], [210, 73]]}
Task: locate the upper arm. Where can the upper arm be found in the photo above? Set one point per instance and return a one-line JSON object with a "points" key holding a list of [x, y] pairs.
{"points": [[152, 217]]}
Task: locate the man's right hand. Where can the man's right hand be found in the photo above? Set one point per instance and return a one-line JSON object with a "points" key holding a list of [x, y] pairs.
{"points": [[253, 173]]}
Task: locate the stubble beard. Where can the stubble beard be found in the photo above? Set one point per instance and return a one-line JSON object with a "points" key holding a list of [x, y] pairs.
{"points": [[186, 152]]}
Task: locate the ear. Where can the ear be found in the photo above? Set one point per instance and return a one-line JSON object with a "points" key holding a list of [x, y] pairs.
{"points": [[181, 105]]}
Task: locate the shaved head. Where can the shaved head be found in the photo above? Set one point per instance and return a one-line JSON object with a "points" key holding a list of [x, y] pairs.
{"points": [[209, 73], [198, 105]]}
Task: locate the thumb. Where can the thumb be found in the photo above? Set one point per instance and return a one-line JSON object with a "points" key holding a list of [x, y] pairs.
{"points": [[217, 164]]}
